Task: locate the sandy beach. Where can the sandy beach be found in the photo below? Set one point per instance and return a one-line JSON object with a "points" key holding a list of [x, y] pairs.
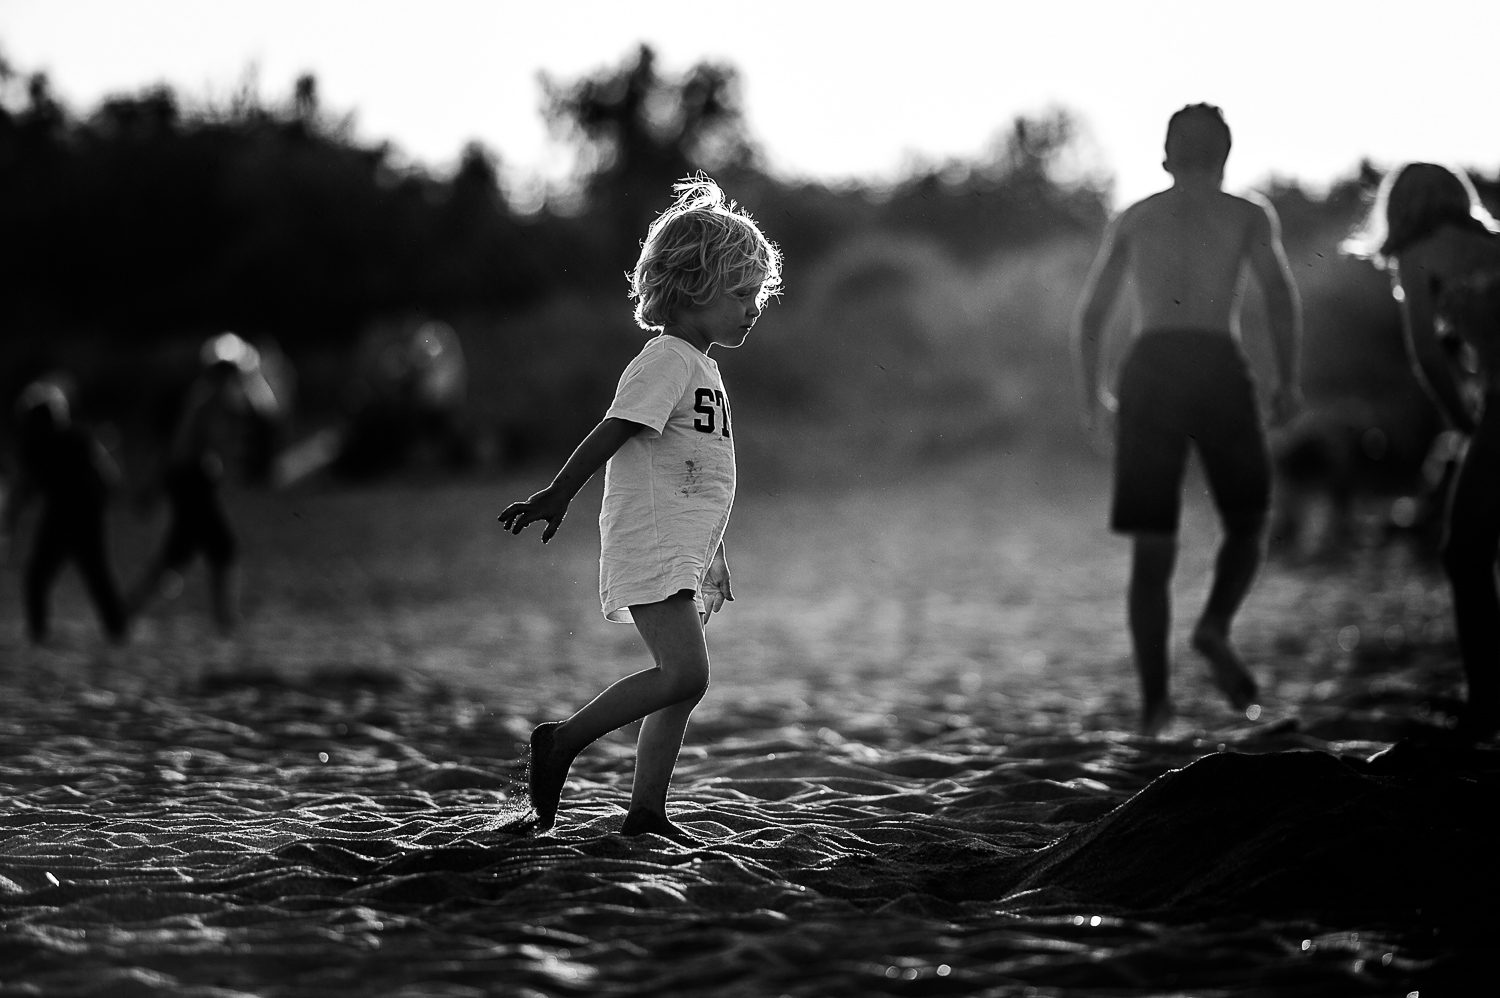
{"points": [[914, 774]]}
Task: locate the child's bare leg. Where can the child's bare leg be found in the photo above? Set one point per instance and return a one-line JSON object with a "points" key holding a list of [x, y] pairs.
{"points": [[673, 631], [674, 636], [1238, 560], [1150, 611], [655, 757], [656, 751]]}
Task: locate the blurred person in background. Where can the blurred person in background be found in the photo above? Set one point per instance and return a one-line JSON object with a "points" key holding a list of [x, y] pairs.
{"points": [[1428, 228], [73, 475], [1185, 382], [228, 390], [704, 274], [267, 424], [406, 401], [1323, 461]]}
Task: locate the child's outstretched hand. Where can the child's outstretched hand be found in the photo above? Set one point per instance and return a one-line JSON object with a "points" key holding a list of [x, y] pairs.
{"points": [[544, 505]]}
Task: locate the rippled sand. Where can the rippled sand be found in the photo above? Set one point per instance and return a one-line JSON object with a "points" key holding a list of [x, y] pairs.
{"points": [[914, 773]]}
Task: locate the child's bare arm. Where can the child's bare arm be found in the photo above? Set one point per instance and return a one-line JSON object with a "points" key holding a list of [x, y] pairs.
{"points": [[551, 504], [1283, 311], [1427, 357]]}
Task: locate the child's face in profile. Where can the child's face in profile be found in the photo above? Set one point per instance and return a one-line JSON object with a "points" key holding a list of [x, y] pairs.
{"points": [[725, 321]]}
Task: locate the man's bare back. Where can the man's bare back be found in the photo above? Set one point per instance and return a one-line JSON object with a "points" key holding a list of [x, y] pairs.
{"points": [[1187, 252]]}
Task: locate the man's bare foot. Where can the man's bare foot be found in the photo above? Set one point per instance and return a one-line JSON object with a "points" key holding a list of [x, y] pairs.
{"points": [[546, 771], [642, 821], [1155, 717], [1225, 666]]}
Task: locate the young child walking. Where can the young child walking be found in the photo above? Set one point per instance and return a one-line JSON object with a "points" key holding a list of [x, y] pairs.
{"points": [[704, 274]]}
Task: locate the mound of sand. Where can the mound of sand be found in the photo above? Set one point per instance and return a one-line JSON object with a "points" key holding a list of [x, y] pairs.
{"points": [[1283, 835]]}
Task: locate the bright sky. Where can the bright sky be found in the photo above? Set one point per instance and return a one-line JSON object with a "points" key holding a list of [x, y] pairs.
{"points": [[833, 89]]}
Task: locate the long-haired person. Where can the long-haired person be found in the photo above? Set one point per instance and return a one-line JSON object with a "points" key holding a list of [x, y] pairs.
{"points": [[1428, 228]]}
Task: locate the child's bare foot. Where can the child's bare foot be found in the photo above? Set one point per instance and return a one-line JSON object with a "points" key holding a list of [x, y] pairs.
{"points": [[545, 772], [642, 821], [1225, 666], [1155, 717]]}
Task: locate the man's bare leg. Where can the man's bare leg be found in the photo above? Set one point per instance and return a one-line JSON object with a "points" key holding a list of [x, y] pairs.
{"points": [[1150, 610], [1234, 570]]}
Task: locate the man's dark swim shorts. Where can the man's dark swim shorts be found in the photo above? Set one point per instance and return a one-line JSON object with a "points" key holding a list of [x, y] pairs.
{"points": [[1178, 386]]}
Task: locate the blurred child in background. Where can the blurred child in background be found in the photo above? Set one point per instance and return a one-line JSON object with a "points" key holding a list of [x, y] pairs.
{"points": [[229, 387], [73, 475], [1429, 229], [704, 274]]}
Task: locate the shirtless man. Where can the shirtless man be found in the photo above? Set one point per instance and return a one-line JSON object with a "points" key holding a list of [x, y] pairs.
{"points": [[1185, 380]]}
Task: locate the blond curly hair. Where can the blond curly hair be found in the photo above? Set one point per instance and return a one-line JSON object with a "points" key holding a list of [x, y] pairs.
{"points": [[699, 248]]}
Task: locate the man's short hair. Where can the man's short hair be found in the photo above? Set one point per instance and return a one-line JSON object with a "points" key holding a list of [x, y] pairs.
{"points": [[1197, 139]]}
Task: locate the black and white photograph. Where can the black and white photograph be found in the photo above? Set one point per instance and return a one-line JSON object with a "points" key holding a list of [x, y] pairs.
{"points": [[504, 499]]}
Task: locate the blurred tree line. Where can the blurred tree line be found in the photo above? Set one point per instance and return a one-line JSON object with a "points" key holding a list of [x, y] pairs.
{"points": [[939, 302], [149, 220]]}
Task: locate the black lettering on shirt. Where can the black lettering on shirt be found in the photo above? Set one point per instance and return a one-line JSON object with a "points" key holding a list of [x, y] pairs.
{"points": [[711, 403], [703, 403]]}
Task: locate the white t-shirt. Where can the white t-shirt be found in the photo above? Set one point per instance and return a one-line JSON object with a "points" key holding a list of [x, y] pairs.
{"points": [[668, 491]]}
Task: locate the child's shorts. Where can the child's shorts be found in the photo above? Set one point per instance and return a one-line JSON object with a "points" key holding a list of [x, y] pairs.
{"points": [[1179, 387]]}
